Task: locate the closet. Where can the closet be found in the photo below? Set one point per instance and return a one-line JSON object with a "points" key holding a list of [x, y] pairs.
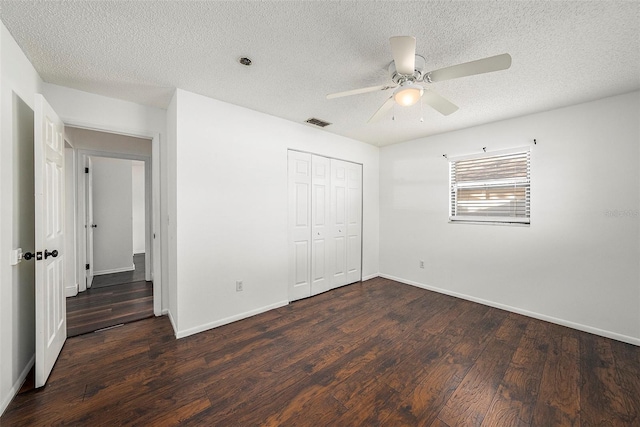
{"points": [[325, 223]]}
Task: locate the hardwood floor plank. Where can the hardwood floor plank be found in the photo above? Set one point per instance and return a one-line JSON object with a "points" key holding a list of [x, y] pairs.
{"points": [[518, 390], [114, 299], [602, 396], [468, 405], [489, 358], [559, 392], [372, 353], [105, 307]]}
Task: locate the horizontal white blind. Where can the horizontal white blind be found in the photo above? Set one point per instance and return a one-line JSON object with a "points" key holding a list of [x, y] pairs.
{"points": [[491, 188]]}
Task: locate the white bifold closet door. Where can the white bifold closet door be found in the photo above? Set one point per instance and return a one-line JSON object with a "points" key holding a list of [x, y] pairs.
{"points": [[325, 224]]}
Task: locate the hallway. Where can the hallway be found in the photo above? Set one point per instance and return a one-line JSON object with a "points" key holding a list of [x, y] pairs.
{"points": [[112, 300]]}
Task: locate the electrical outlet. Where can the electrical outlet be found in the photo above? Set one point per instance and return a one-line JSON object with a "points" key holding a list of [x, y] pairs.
{"points": [[238, 285], [421, 264]]}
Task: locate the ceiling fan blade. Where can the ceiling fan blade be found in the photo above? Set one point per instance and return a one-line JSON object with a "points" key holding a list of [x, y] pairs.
{"points": [[359, 91], [481, 66], [403, 50], [388, 105], [438, 102]]}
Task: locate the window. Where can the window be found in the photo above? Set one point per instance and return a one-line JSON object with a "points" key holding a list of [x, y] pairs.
{"points": [[492, 187]]}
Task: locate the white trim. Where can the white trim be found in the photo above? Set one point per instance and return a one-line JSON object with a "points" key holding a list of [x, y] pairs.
{"points": [[516, 224], [173, 322], [503, 220], [71, 291], [114, 270], [156, 244], [484, 154], [562, 322], [230, 319], [313, 153], [13, 392], [136, 133], [370, 276]]}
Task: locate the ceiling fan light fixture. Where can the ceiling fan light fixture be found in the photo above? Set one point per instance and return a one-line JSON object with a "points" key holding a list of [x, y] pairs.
{"points": [[408, 94]]}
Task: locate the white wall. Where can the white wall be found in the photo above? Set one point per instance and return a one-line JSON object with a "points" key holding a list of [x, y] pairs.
{"points": [[578, 262], [137, 203], [232, 207], [112, 213], [169, 271], [18, 79]]}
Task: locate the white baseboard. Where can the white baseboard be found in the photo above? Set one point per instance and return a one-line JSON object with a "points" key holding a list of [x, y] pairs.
{"points": [[173, 323], [370, 276], [230, 319], [562, 322], [71, 291], [114, 270], [16, 386]]}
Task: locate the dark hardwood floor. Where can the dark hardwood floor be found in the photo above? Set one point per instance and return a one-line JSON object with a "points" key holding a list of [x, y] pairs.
{"points": [[372, 353], [112, 300]]}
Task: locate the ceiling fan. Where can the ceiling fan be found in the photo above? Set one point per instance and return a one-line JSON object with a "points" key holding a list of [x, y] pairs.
{"points": [[407, 72]]}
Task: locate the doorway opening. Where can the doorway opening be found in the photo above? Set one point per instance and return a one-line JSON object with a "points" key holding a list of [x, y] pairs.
{"points": [[114, 234], [42, 152]]}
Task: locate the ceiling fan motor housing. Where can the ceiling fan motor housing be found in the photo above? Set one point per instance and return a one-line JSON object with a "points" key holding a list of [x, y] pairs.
{"points": [[418, 73]]}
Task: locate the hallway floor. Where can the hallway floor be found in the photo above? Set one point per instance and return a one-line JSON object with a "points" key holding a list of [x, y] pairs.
{"points": [[113, 299]]}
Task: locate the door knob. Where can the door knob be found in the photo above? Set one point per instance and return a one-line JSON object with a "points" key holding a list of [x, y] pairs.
{"points": [[53, 253], [29, 255], [94, 225]]}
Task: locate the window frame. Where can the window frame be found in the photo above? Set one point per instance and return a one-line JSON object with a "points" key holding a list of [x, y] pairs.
{"points": [[483, 219]]}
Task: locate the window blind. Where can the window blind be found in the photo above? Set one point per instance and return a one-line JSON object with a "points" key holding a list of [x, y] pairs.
{"points": [[491, 188]]}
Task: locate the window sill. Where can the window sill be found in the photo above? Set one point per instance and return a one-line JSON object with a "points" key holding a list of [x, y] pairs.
{"points": [[509, 224]]}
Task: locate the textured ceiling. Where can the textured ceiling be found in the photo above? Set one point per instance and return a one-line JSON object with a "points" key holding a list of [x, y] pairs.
{"points": [[563, 53]]}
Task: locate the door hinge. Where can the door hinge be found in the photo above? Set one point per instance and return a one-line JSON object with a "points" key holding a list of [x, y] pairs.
{"points": [[86, 266], [86, 170]]}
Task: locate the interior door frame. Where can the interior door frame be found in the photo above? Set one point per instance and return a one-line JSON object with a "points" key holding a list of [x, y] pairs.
{"points": [[152, 177], [85, 205], [82, 204]]}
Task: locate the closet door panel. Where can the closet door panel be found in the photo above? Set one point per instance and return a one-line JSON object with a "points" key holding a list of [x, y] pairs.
{"points": [[320, 214], [299, 174], [325, 224], [338, 263], [354, 222]]}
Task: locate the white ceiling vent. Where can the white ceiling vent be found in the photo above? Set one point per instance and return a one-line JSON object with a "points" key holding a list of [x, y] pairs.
{"points": [[317, 122]]}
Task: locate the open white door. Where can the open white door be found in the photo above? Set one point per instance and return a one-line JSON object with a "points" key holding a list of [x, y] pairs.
{"points": [[51, 325], [89, 225]]}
